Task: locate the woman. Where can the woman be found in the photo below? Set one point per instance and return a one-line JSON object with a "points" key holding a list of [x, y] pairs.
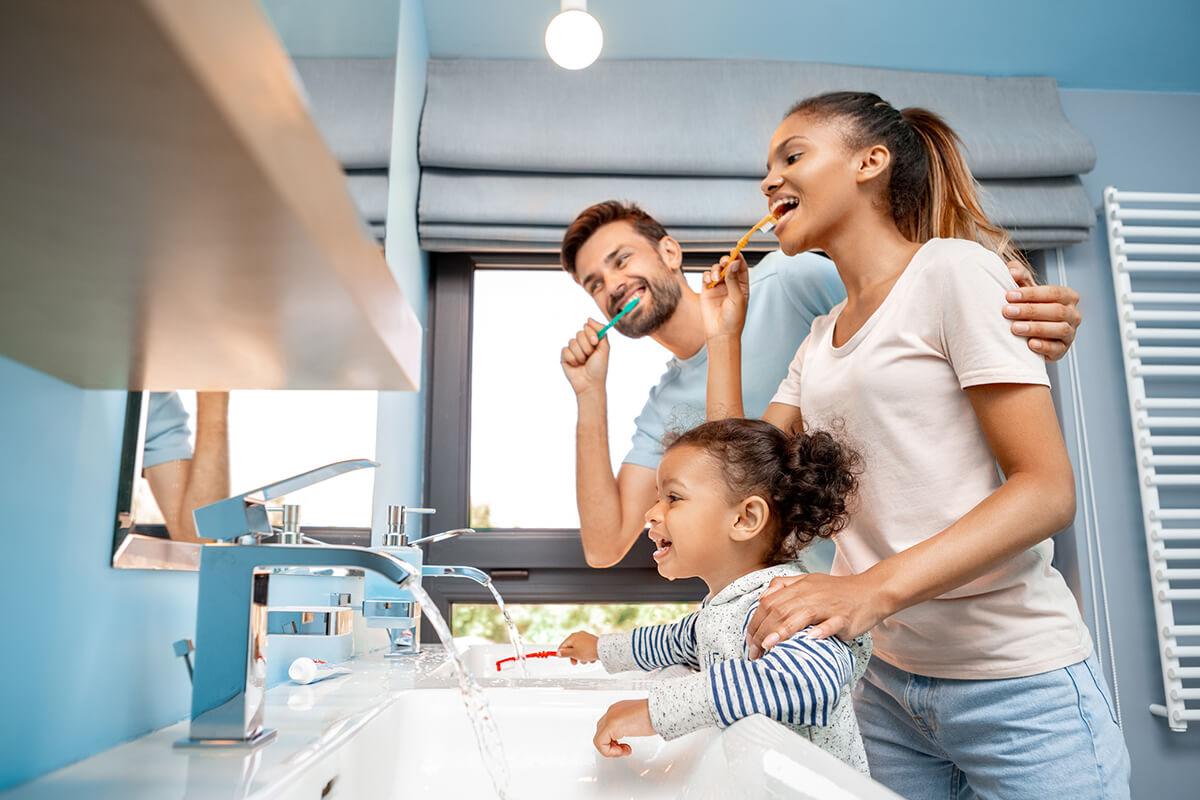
{"points": [[983, 680]]}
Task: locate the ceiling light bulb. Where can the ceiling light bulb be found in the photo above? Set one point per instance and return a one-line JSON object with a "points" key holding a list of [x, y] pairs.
{"points": [[574, 38]]}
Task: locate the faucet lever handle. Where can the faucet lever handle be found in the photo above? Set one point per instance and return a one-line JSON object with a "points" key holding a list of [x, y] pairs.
{"points": [[438, 537], [241, 514], [280, 488]]}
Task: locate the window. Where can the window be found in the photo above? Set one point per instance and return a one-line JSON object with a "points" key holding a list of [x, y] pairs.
{"points": [[522, 456], [501, 440], [547, 625]]}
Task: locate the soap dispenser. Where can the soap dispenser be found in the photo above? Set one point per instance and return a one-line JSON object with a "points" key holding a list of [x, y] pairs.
{"points": [[384, 604]]}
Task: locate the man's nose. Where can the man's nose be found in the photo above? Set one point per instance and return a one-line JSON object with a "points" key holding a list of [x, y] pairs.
{"points": [[616, 290]]}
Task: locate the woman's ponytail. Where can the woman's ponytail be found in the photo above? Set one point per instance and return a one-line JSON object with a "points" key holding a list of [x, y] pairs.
{"points": [[949, 207]]}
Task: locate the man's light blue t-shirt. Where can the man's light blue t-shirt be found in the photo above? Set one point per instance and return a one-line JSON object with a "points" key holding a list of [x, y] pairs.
{"points": [[167, 430], [786, 294]]}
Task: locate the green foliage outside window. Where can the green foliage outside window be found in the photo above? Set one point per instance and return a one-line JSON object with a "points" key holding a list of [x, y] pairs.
{"points": [[480, 517], [550, 623]]}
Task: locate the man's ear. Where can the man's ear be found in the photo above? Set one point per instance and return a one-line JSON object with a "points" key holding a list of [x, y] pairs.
{"points": [[873, 161], [752, 519], [670, 252]]}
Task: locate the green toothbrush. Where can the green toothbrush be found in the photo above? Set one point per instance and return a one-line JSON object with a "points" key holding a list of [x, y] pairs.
{"points": [[627, 308]]}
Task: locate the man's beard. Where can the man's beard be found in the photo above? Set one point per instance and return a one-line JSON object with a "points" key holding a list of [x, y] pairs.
{"points": [[665, 295]]}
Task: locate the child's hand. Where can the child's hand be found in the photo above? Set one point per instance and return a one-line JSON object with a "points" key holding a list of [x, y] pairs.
{"points": [[579, 646], [626, 718]]}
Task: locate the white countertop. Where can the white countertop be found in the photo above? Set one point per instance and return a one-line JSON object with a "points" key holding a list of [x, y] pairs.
{"points": [[308, 720]]}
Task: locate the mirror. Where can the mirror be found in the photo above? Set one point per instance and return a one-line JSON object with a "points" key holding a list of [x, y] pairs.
{"points": [[182, 450]]}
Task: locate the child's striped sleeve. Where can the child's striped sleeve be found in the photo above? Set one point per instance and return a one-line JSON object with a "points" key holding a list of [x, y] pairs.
{"points": [[651, 647]]}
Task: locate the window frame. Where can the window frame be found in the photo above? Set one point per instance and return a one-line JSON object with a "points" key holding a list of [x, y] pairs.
{"points": [[528, 565]]}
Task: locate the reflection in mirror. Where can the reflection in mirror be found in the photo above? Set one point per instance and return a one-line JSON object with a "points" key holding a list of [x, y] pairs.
{"points": [[185, 460], [187, 449]]}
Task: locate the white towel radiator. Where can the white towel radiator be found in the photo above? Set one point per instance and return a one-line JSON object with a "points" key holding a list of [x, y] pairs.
{"points": [[1154, 245]]}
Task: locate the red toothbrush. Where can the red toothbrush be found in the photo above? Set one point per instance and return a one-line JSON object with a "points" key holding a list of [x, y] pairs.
{"points": [[543, 654]]}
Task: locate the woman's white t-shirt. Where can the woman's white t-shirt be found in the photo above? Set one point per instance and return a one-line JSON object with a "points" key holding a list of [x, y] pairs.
{"points": [[894, 391]]}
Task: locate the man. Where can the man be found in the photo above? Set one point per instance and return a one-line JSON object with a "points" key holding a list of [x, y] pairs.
{"points": [[180, 480], [616, 251]]}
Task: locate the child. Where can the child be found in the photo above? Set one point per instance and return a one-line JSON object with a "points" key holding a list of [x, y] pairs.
{"points": [[983, 672], [738, 500]]}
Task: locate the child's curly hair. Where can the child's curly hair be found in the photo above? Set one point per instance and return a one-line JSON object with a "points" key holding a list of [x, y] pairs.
{"points": [[807, 478]]}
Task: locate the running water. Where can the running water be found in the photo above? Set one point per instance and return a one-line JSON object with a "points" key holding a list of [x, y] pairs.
{"points": [[514, 635], [491, 749]]}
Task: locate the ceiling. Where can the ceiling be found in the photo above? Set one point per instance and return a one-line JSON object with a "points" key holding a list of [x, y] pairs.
{"points": [[1096, 44]]}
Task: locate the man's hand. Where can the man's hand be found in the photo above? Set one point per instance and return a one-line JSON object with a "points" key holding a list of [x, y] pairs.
{"points": [[1047, 316], [585, 358], [844, 606], [723, 307], [626, 718], [579, 647]]}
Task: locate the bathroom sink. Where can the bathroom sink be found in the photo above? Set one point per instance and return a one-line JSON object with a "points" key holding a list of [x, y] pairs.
{"points": [[424, 746], [374, 733]]}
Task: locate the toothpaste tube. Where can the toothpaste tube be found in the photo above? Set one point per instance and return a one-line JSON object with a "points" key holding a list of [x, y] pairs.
{"points": [[310, 670]]}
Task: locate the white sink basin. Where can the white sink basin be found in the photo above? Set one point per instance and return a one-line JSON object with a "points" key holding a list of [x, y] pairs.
{"points": [[424, 746], [372, 734]]}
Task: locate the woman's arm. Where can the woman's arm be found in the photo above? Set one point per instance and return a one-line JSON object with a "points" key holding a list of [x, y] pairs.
{"points": [[723, 309], [1036, 501]]}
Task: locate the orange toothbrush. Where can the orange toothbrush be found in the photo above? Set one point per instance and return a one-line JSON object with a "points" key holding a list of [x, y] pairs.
{"points": [[764, 224]]}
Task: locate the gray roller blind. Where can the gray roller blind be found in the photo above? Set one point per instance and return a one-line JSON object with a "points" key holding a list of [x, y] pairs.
{"points": [[351, 102], [511, 151]]}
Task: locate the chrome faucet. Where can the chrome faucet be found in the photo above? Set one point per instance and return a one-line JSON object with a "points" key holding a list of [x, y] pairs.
{"points": [[242, 515], [438, 571], [231, 631]]}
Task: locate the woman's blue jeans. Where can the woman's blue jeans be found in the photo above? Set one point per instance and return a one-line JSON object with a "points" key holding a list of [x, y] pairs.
{"points": [[1045, 736]]}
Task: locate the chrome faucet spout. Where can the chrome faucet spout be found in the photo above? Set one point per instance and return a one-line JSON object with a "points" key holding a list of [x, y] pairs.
{"points": [[441, 571], [231, 631]]}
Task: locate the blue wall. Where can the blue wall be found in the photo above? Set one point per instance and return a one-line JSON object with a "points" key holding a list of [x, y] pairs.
{"points": [[1144, 142], [400, 436], [87, 654], [324, 29], [1090, 44], [87, 659]]}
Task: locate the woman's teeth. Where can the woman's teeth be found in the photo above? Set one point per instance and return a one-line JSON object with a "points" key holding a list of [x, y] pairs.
{"points": [[782, 210], [663, 548]]}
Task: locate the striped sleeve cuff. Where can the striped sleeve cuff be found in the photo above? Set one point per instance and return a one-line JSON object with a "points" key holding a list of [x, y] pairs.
{"points": [[616, 652], [682, 705]]}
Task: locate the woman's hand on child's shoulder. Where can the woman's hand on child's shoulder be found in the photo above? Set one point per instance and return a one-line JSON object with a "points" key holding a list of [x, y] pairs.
{"points": [[626, 718], [580, 646], [843, 606]]}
